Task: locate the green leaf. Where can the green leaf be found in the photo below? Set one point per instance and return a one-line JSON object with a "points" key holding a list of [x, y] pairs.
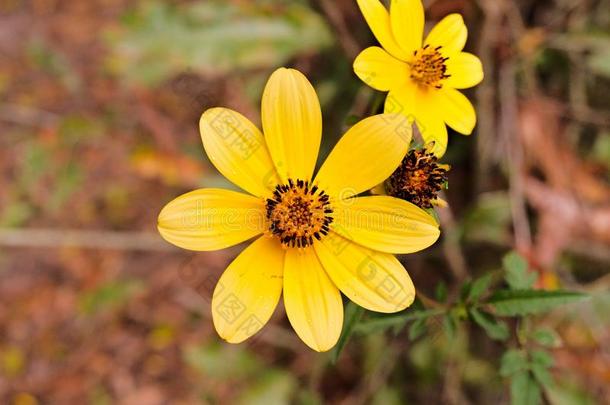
{"points": [[450, 326], [542, 357], [524, 302], [517, 276], [512, 362], [353, 313], [524, 390], [441, 292], [212, 36], [494, 328], [389, 321], [546, 337], [541, 362], [417, 328], [479, 287]]}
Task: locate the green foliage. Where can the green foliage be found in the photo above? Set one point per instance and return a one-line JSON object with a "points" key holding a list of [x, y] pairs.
{"points": [[495, 328], [212, 36], [525, 302], [517, 276], [353, 313], [109, 296]]}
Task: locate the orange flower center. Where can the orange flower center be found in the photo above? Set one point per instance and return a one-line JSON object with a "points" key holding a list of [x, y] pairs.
{"points": [[298, 213], [429, 67], [418, 179]]}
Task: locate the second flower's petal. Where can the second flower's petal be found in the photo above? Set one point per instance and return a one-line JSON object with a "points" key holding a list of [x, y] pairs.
{"points": [[313, 303], [248, 291], [430, 123], [211, 219], [237, 149], [407, 18], [374, 280], [385, 224], [378, 19], [457, 111], [292, 123], [465, 71], [450, 33], [380, 70], [366, 155], [403, 100]]}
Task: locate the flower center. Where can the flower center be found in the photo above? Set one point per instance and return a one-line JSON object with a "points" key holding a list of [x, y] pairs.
{"points": [[428, 67], [298, 212], [418, 179]]}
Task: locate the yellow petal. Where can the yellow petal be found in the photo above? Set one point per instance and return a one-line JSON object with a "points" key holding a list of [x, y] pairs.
{"points": [[456, 110], [211, 219], [450, 33], [465, 71], [420, 106], [407, 17], [366, 155], [430, 123], [238, 150], [384, 223], [378, 19], [374, 280], [248, 291], [380, 70], [403, 100], [292, 123], [313, 303]]}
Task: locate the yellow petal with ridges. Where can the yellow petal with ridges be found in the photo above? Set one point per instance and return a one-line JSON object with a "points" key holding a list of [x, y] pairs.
{"points": [[237, 149], [465, 71], [374, 280], [378, 20], [407, 18], [380, 70], [211, 219], [366, 155], [456, 110], [248, 291], [292, 123], [450, 33], [384, 223], [429, 121], [313, 303]]}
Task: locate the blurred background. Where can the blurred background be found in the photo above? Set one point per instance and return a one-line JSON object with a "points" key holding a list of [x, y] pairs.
{"points": [[99, 105]]}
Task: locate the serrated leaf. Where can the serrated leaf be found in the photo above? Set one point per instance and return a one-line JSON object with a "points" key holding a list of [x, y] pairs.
{"points": [[524, 390], [389, 321], [441, 292], [546, 337], [542, 357], [540, 364], [353, 313], [512, 362], [516, 275], [450, 326], [479, 287], [495, 329], [524, 302], [417, 328]]}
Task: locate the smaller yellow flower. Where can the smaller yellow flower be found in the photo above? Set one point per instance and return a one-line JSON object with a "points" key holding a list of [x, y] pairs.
{"points": [[422, 78]]}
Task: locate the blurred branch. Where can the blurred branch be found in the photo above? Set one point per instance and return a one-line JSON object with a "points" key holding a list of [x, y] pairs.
{"points": [[514, 155], [104, 240], [451, 244], [335, 16]]}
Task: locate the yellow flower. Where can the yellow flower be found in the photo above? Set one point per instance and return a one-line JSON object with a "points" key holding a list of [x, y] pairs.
{"points": [[422, 79], [314, 237]]}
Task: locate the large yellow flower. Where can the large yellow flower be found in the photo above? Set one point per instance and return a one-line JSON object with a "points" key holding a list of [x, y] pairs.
{"points": [[422, 78], [315, 237]]}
